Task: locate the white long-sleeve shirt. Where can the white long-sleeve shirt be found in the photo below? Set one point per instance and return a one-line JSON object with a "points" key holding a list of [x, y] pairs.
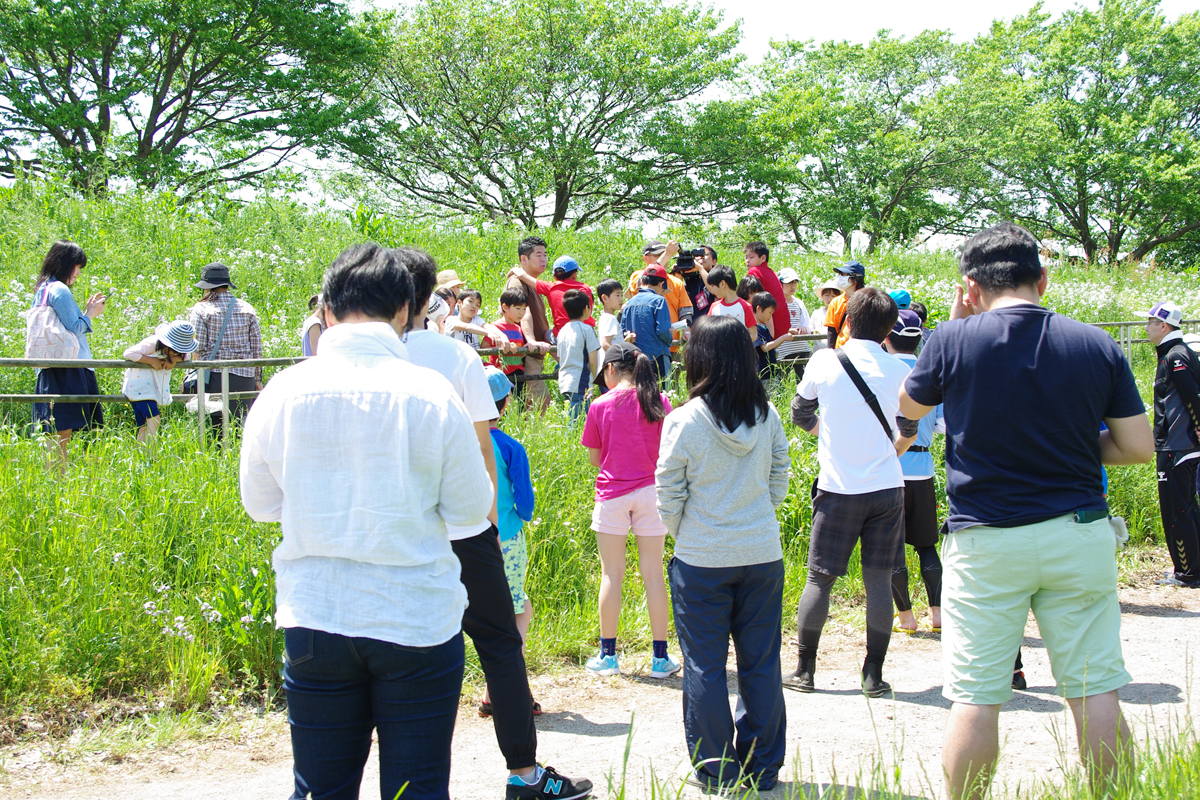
{"points": [[364, 458]]}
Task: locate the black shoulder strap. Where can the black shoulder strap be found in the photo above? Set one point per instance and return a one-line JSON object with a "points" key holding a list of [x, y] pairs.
{"points": [[865, 391]]}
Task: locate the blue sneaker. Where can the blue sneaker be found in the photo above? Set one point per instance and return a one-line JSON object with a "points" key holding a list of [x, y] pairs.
{"points": [[664, 667], [603, 665]]}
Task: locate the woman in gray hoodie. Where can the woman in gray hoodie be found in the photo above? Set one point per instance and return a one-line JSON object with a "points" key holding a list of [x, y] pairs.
{"points": [[722, 471]]}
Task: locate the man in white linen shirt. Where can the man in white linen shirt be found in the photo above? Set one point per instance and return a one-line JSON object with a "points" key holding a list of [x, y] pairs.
{"points": [[489, 618], [365, 459]]}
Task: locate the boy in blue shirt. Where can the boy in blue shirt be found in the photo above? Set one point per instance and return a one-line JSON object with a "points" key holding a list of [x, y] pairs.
{"points": [[648, 318], [920, 498], [763, 305]]}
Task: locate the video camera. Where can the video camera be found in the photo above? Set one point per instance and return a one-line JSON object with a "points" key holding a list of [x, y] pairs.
{"points": [[687, 259]]}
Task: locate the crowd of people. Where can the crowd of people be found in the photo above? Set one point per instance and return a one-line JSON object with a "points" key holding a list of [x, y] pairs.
{"points": [[403, 502]]}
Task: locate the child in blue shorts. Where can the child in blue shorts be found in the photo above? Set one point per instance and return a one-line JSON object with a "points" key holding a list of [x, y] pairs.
{"points": [[147, 389]]}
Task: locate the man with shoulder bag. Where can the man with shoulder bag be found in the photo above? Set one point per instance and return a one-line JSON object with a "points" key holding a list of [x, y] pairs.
{"points": [[859, 494]]}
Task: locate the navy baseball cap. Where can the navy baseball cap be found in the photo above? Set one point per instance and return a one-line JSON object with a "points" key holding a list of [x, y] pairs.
{"points": [[907, 324], [853, 269]]}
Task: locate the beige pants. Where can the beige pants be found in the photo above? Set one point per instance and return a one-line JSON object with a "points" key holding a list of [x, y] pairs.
{"points": [[536, 395]]}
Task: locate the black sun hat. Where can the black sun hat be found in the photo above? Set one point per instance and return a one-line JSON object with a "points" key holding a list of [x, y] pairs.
{"points": [[214, 275]]}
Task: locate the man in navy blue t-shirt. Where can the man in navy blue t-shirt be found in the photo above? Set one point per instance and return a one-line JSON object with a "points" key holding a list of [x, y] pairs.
{"points": [[1024, 393]]}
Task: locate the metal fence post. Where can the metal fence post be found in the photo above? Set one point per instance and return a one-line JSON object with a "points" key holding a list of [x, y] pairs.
{"points": [[225, 403], [201, 408]]}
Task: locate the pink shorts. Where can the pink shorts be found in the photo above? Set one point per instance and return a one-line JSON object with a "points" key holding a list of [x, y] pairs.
{"points": [[637, 510]]}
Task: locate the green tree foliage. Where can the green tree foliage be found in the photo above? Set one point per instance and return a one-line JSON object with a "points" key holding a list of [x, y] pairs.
{"points": [[549, 111], [851, 140], [1090, 125], [174, 92]]}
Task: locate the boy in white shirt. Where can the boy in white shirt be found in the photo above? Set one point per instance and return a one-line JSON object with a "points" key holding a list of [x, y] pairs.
{"points": [[794, 353], [468, 325], [723, 284], [612, 297]]}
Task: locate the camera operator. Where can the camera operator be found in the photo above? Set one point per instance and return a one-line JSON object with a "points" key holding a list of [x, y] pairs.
{"points": [[692, 266]]}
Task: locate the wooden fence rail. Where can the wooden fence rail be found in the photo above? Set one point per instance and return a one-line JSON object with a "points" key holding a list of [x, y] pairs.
{"points": [[1123, 335]]}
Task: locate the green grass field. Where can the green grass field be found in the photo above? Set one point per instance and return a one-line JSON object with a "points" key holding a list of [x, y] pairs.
{"points": [[140, 578]]}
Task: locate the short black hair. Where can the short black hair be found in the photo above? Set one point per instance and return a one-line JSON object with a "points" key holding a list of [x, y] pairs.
{"points": [[1003, 256], [652, 280], [722, 368], [501, 404], [575, 303], [607, 286], [513, 297], [920, 310], [528, 244], [61, 260], [903, 344], [367, 279], [466, 294], [749, 287], [710, 249], [759, 248], [763, 300], [871, 313], [722, 274], [422, 268]]}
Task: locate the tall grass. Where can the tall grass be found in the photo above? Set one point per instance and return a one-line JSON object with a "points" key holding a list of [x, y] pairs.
{"points": [[139, 576]]}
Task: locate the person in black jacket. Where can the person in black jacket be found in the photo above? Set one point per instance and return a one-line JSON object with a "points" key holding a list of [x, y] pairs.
{"points": [[1177, 449]]}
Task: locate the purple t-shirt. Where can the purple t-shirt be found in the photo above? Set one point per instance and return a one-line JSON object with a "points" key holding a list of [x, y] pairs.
{"points": [[628, 444]]}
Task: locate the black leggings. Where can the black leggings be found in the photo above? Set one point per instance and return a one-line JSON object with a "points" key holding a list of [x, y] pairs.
{"points": [[814, 610], [931, 573]]}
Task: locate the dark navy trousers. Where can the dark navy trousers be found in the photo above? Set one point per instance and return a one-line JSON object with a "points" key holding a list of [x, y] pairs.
{"points": [[712, 605]]}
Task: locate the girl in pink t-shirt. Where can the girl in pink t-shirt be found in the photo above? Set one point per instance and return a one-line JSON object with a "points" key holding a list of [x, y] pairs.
{"points": [[621, 434]]}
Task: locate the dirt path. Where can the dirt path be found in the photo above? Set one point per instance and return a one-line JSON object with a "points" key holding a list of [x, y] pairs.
{"points": [[833, 733]]}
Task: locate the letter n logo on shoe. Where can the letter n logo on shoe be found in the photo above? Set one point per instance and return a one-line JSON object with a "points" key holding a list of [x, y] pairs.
{"points": [[553, 787]]}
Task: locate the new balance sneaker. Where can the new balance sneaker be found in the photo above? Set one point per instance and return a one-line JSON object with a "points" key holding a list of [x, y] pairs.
{"points": [[603, 665], [550, 785], [664, 667]]}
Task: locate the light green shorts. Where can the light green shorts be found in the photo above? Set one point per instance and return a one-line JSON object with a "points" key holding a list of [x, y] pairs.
{"points": [[1066, 572], [516, 564]]}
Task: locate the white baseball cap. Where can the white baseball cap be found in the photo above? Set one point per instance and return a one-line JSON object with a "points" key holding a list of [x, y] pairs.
{"points": [[1167, 312], [788, 275]]}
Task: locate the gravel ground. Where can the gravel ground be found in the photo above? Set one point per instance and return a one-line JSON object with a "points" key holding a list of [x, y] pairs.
{"points": [[834, 736]]}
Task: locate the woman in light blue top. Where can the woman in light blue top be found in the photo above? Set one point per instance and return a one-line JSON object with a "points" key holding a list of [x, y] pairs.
{"points": [[60, 270]]}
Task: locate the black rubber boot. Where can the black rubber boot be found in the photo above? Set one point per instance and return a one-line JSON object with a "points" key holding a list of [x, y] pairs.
{"points": [[802, 679], [873, 684]]}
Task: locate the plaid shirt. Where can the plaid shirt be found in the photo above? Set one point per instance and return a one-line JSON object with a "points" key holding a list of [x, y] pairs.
{"points": [[242, 337]]}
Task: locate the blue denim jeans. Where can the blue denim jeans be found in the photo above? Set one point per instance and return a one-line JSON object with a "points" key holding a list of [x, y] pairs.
{"points": [[711, 605], [340, 688], [576, 403]]}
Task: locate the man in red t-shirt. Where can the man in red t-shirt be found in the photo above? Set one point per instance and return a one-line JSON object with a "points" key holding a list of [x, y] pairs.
{"points": [[757, 255]]}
